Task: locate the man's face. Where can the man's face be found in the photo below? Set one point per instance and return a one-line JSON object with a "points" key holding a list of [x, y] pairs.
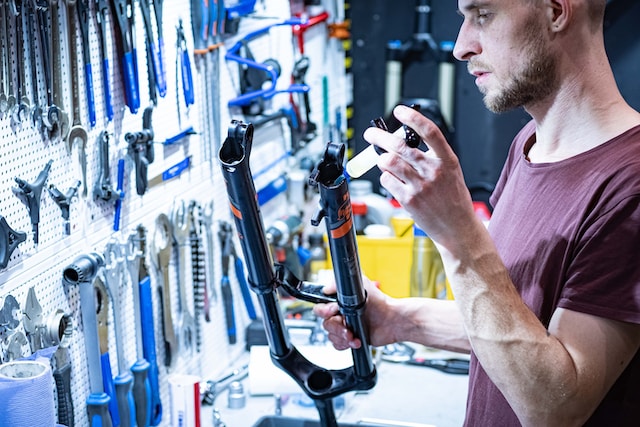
{"points": [[507, 50]]}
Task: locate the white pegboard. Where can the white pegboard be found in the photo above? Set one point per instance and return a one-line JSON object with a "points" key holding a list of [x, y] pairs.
{"points": [[24, 152]]}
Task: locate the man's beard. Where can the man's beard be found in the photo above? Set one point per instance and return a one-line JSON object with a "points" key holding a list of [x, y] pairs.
{"points": [[531, 83]]}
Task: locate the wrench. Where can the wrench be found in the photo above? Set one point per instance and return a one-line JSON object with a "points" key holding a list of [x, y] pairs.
{"points": [[4, 105], [207, 218], [36, 110], [11, 11], [57, 117], [23, 105], [114, 269], [186, 323], [162, 249]]}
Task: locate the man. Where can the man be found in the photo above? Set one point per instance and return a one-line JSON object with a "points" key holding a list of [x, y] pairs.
{"points": [[547, 300]]}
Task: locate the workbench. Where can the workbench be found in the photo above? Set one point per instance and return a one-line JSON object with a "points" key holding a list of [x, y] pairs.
{"points": [[414, 395]]}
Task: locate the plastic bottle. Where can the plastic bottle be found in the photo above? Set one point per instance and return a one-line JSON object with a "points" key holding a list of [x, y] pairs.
{"points": [[360, 219], [379, 209], [427, 272]]}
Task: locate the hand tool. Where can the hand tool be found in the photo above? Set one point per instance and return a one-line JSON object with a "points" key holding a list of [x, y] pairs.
{"points": [[129, 72], [162, 251], [102, 9], [225, 237], [57, 119], [179, 136], [102, 313], [238, 267], [50, 114], [11, 95], [36, 110], [185, 66], [63, 200], [82, 273], [10, 314], [23, 105], [30, 194], [140, 147], [113, 272], [83, 21], [103, 188], [33, 320], [158, 10], [146, 391], [200, 297], [9, 241], [120, 191], [16, 345], [153, 48], [207, 220], [4, 105], [186, 323], [77, 133], [173, 172], [211, 389]]}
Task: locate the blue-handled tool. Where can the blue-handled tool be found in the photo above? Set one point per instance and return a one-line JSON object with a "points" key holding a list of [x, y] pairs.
{"points": [[128, 58], [153, 49], [102, 311], [244, 287], [147, 397], [225, 235], [83, 20], [82, 272], [102, 8], [157, 8], [185, 65], [115, 257]]}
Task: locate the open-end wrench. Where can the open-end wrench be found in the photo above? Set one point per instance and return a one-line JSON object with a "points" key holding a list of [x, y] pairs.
{"points": [[162, 251], [49, 115], [56, 119], [77, 134], [114, 271], [36, 110], [12, 99], [23, 102], [4, 105], [102, 8], [207, 219], [83, 21], [186, 323]]}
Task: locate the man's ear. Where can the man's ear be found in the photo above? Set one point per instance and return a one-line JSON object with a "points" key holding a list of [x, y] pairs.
{"points": [[559, 13]]}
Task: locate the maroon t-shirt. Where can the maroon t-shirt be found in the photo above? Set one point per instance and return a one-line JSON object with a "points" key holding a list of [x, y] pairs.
{"points": [[569, 235]]}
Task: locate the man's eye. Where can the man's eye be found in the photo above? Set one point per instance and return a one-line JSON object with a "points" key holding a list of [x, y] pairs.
{"points": [[482, 17]]}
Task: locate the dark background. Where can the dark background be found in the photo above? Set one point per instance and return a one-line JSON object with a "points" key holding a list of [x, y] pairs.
{"points": [[481, 138]]}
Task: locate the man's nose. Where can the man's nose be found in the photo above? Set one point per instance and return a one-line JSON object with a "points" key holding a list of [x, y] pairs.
{"points": [[467, 43]]}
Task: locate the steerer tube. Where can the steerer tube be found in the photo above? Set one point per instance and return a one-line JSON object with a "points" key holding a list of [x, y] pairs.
{"points": [[320, 384]]}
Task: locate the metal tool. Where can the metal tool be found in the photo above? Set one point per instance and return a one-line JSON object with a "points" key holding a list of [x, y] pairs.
{"points": [[122, 13], [225, 285], [198, 271], [103, 188], [184, 67], [63, 200], [57, 119], [36, 110], [4, 104], [12, 100], [30, 194], [83, 21], [82, 273], [185, 325], [23, 104], [158, 8], [207, 219], [102, 313], [162, 251], [77, 134], [9, 241], [140, 148], [102, 9], [114, 274], [50, 114], [229, 249], [153, 48], [146, 393]]}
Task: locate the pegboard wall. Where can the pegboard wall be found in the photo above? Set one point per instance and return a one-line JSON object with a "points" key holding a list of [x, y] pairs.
{"points": [[181, 133]]}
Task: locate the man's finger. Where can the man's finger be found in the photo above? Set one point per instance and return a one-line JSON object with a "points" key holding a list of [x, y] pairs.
{"points": [[426, 129]]}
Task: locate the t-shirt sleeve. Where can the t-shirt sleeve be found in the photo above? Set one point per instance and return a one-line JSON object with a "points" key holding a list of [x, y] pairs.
{"points": [[604, 279]]}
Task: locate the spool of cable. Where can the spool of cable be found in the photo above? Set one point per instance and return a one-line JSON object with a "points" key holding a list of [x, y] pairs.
{"points": [[26, 393]]}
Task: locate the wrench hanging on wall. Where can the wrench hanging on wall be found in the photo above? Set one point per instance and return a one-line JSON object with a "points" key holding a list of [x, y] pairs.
{"points": [[83, 21], [102, 9], [123, 12]]}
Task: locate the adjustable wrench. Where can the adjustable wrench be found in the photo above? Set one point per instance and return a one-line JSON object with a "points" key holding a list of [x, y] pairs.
{"points": [[77, 133], [162, 250], [186, 322]]}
